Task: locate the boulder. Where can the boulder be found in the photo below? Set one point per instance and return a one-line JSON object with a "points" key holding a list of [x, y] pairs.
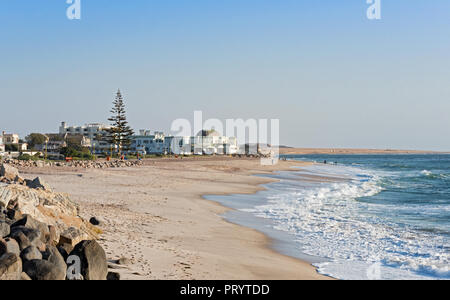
{"points": [[22, 240], [52, 255], [30, 253], [24, 277], [29, 222], [10, 173], [10, 267], [72, 236], [53, 237], [14, 214], [33, 236], [64, 250], [43, 270], [93, 260], [4, 229], [9, 245], [38, 183]]}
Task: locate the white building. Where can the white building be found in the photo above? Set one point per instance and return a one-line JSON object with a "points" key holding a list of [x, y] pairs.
{"points": [[2, 145], [210, 143], [94, 132], [147, 143], [9, 139]]}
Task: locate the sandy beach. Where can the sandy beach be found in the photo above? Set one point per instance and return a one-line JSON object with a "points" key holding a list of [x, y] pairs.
{"points": [[155, 215]]}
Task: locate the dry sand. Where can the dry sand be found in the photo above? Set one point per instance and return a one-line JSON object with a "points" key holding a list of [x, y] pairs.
{"points": [[155, 215]]}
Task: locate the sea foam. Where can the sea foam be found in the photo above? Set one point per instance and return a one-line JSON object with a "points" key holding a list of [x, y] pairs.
{"points": [[329, 220]]}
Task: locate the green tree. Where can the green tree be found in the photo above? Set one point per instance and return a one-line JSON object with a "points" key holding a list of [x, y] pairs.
{"points": [[119, 135], [35, 139]]}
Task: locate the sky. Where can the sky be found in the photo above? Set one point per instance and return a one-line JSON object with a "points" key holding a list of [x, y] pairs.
{"points": [[331, 76]]}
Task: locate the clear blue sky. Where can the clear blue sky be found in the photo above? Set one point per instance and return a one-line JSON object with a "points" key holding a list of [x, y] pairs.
{"points": [[332, 77]]}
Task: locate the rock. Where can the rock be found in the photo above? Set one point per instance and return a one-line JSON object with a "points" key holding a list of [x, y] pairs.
{"points": [[10, 267], [52, 255], [50, 208], [4, 229], [30, 253], [10, 173], [22, 240], [14, 214], [124, 261], [29, 222], [24, 277], [33, 235], [53, 237], [43, 270], [113, 276], [95, 221], [9, 245], [64, 250], [38, 183], [93, 260], [71, 236]]}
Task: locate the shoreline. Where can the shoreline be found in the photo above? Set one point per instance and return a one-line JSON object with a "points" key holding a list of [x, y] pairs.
{"points": [[157, 216]]}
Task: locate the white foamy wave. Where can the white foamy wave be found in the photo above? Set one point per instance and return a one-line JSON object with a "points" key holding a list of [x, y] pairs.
{"points": [[426, 173], [329, 221]]}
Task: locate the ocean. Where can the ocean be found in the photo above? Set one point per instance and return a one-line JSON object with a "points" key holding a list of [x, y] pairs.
{"points": [[358, 216]]}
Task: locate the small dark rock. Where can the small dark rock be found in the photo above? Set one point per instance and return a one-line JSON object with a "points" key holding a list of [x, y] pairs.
{"points": [[113, 276], [95, 221], [38, 183]]}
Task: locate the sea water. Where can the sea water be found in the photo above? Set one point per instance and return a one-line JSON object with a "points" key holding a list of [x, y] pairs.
{"points": [[358, 216]]}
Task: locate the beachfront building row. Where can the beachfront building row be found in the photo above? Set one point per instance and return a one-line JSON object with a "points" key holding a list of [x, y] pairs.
{"points": [[208, 143]]}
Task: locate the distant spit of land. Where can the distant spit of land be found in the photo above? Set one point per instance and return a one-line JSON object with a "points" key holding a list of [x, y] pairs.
{"points": [[287, 150]]}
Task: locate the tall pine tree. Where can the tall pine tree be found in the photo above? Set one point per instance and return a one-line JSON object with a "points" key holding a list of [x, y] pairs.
{"points": [[119, 135]]}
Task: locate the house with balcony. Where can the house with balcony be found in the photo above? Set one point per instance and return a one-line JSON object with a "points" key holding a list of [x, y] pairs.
{"points": [[93, 135], [12, 143]]}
